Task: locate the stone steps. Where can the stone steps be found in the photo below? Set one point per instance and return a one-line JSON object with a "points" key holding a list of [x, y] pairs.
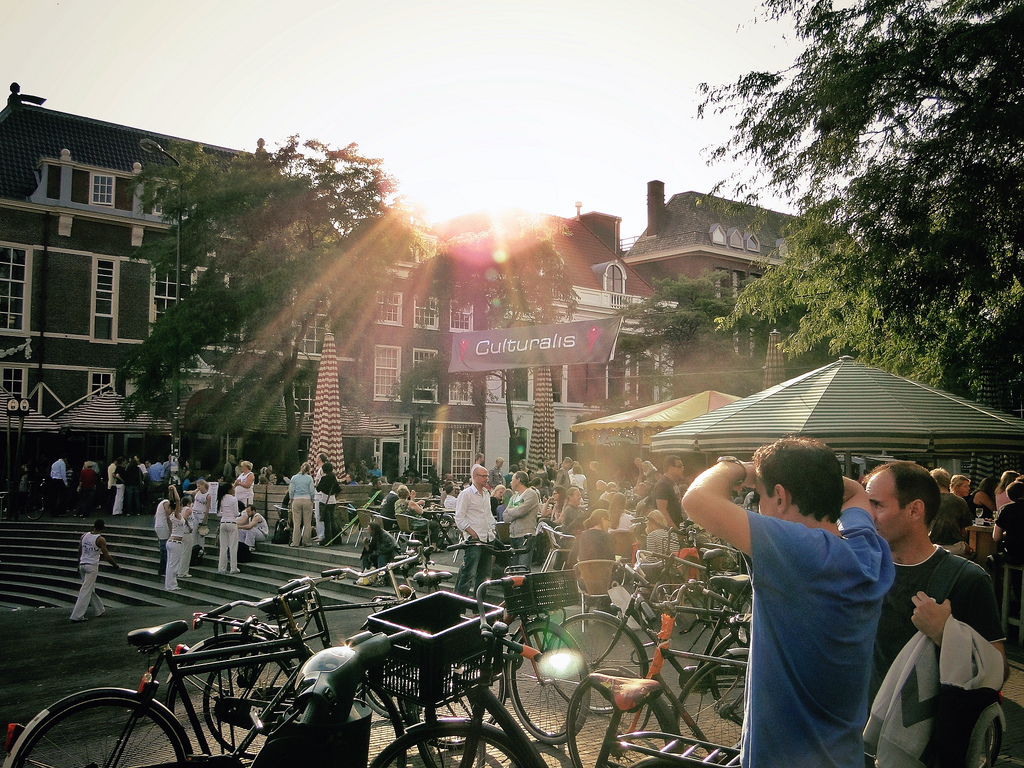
{"points": [[38, 567]]}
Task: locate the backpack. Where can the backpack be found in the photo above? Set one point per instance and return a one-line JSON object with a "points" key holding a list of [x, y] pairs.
{"points": [[282, 532]]}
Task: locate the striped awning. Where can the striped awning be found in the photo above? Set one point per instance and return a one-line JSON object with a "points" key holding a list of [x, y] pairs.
{"points": [[104, 412], [660, 415], [32, 421], [853, 408]]}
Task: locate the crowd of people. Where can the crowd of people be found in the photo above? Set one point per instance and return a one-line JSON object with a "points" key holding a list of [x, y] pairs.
{"points": [[880, 567]]}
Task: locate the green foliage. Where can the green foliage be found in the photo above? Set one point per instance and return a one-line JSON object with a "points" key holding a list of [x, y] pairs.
{"points": [[681, 325], [899, 133], [275, 241]]}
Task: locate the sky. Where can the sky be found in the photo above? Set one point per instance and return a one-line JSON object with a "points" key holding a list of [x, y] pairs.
{"points": [[472, 105]]}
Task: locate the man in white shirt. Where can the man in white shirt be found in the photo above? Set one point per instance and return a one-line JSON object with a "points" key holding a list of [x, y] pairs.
{"points": [[473, 517], [58, 487]]}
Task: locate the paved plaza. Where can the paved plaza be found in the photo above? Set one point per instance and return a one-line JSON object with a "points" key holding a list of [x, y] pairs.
{"points": [[44, 657]]}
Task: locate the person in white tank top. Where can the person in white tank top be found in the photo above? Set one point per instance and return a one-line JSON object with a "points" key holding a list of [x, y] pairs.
{"points": [[91, 549]]}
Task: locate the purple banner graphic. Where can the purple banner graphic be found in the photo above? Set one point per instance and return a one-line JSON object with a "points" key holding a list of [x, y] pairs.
{"points": [[587, 341]]}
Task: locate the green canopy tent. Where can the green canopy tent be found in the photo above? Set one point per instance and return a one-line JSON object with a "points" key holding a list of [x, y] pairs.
{"points": [[855, 409]]}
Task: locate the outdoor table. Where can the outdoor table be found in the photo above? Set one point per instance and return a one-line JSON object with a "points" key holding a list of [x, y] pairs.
{"points": [[979, 538]]}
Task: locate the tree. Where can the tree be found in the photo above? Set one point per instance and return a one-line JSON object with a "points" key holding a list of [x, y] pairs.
{"points": [[279, 246], [679, 326], [514, 267], [899, 134]]}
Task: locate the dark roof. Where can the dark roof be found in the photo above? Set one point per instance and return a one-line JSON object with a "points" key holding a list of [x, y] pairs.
{"points": [[29, 133], [689, 216], [581, 251]]}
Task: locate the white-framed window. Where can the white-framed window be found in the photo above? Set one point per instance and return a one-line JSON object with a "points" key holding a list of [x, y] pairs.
{"points": [[12, 288], [429, 451], [425, 314], [519, 380], [102, 189], [718, 235], [304, 395], [100, 379], [13, 381], [461, 318], [752, 243], [460, 392], [313, 340], [163, 293], [387, 364], [425, 390], [105, 271], [735, 237], [389, 308], [464, 441], [614, 279]]}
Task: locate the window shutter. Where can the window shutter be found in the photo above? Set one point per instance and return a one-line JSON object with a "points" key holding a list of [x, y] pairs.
{"points": [[122, 194], [79, 186], [53, 173]]}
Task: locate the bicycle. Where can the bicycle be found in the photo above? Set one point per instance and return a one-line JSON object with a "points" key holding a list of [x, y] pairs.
{"points": [[538, 695], [617, 643], [116, 727], [710, 703], [471, 740], [32, 503]]}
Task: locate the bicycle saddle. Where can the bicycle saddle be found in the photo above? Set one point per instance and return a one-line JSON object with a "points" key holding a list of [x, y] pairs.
{"points": [[431, 578], [733, 586], [626, 693], [154, 637]]}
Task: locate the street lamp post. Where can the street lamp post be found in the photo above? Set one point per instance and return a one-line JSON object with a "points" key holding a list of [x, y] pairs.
{"points": [[151, 146]]}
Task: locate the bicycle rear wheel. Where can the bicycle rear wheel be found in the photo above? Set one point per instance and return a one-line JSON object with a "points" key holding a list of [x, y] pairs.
{"points": [[106, 727], [445, 745], [608, 645], [589, 718], [538, 695], [713, 700]]}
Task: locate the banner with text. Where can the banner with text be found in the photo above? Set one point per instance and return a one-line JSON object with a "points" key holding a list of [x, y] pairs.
{"points": [[588, 341]]}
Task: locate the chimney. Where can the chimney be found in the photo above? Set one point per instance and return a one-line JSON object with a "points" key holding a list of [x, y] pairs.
{"points": [[655, 206], [579, 208]]}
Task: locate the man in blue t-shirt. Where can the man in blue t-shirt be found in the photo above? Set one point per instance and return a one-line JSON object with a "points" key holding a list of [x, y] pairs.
{"points": [[819, 572]]}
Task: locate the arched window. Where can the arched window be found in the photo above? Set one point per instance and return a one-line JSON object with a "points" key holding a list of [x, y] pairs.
{"points": [[614, 279]]}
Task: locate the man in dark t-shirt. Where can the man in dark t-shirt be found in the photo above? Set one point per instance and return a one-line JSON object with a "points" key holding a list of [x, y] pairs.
{"points": [[666, 493], [904, 500]]}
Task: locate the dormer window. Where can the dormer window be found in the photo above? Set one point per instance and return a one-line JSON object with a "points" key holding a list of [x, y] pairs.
{"points": [[718, 235], [735, 238], [102, 190], [614, 279], [751, 243]]}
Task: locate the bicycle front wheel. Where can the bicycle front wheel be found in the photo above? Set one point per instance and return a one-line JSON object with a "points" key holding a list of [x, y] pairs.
{"points": [[448, 744], [713, 702], [106, 727], [589, 725], [539, 694], [608, 645]]}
